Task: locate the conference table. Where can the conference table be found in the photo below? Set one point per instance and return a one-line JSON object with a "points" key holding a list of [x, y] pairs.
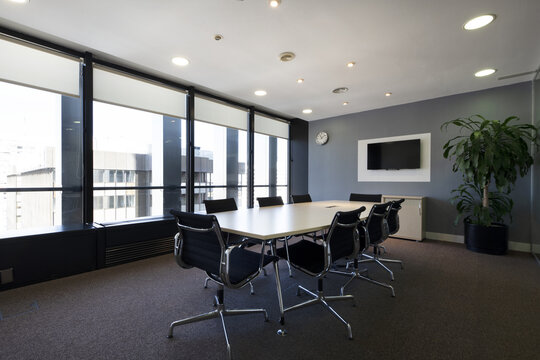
{"points": [[270, 223]]}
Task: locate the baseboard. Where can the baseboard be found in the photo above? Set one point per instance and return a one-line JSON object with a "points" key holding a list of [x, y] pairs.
{"points": [[512, 245], [445, 237]]}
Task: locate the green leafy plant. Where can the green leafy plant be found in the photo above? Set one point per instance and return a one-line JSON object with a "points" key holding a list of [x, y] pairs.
{"points": [[488, 152]]}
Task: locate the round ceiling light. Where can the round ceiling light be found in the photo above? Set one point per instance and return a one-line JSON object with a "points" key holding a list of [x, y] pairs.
{"points": [[180, 61], [345, 103], [274, 3], [307, 111], [300, 80], [484, 72], [387, 94], [260, 92], [351, 64], [340, 90], [286, 56], [478, 22]]}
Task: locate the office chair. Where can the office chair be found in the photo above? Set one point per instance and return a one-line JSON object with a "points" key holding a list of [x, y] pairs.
{"points": [[375, 227], [199, 243], [392, 227], [228, 204], [315, 260], [296, 199], [393, 216], [270, 201], [274, 201], [365, 197]]}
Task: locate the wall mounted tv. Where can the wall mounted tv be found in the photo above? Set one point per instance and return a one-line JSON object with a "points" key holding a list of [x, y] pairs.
{"points": [[394, 155]]}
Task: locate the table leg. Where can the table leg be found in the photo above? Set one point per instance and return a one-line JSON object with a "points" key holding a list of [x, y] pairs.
{"points": [[278, 286]]}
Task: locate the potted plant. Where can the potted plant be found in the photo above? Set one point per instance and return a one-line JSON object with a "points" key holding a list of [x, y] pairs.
{"points": [[488, 152]]}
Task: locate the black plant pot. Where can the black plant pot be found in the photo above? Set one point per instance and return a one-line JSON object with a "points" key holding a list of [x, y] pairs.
{"points": [[487, 239]]}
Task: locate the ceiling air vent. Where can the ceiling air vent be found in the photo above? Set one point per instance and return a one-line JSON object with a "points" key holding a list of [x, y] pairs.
{"points": [[286, 56], [340, 90]]}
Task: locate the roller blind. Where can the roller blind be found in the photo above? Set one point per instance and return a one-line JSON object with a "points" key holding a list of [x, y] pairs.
{"points": [[268, 126], [119, 89], [220, 114], [39, 68]]}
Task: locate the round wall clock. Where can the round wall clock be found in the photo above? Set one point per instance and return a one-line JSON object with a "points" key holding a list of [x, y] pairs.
{"points": [[321, 138]]}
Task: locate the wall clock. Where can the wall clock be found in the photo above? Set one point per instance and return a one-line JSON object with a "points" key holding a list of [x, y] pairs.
{"points": [[321, 138]]}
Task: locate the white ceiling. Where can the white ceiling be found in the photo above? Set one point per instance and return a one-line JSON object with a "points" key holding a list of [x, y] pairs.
{"points": [[415, 49]]}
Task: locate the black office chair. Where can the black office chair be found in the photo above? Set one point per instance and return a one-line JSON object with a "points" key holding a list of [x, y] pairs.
{"points": [[296, 199], [365, 197], [275, 201], [315, 260], [228, 204], [374, 227], [199, 243], [269, 201], [392, 227], [393, 216]]}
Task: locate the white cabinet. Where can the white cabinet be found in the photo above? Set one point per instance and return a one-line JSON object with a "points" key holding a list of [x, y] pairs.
{"points": [[411, 217]]}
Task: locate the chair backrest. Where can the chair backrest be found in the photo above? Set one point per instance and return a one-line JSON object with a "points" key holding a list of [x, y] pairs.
{"points": [[199, 242], [216, 206], [300, 198], [365, 197], [393, 216], [376, 224], [270, 201], [342, 239]]}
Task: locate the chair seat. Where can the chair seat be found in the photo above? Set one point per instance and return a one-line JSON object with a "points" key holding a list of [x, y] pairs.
{"points": [[243, 263], [305, 255]]}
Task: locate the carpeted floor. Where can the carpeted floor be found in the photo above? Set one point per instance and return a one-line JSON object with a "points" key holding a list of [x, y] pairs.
{"points": [[450, 304]]}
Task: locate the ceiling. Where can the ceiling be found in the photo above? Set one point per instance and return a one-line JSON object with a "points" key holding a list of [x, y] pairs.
{"points": [[415, 49]]}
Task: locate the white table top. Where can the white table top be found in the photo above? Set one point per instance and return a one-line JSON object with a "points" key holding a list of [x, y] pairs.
{"points": [[291, 219]]}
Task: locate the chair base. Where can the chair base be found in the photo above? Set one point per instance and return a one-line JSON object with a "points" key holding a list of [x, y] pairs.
{"points": [[320, 298], [251, 290], [357, 274], [380, 261], [220, 312]]}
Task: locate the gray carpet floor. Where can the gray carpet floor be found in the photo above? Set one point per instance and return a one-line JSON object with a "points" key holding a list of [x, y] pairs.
{"points": [[450, 304]]}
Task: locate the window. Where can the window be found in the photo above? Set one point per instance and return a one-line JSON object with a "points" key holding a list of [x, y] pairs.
{"points": [[40, 145], [141, 149], [271, 169], [220, 153]]}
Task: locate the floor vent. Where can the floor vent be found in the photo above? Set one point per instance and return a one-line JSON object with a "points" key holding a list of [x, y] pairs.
{"points": [[139, 250]]}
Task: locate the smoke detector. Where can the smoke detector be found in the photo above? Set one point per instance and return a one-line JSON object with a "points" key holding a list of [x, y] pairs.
{"points": [[340, 90], [286, 56]]}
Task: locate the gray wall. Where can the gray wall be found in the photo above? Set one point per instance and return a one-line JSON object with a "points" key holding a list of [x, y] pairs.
{"points": [[333, 167]]}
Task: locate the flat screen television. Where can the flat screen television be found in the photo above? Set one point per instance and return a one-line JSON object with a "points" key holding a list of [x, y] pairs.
{"points": [[394, 155]]}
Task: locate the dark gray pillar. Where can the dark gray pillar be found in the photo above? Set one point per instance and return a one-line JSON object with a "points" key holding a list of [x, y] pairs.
{"points": [[272, 163], [232, 163], [172, 163]]}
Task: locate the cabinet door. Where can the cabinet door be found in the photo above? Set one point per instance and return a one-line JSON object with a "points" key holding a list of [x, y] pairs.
{"points": [[410, 218]]}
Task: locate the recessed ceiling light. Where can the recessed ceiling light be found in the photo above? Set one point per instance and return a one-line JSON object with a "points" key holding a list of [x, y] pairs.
{"points": [[20, 1], [345, 103], [478, 22], [307, 111], [485, 72], [340, 90], [351, 64], [388, 94], [180, 61], [218, 37], [260, 92], [274, 3], [300, 80]]}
